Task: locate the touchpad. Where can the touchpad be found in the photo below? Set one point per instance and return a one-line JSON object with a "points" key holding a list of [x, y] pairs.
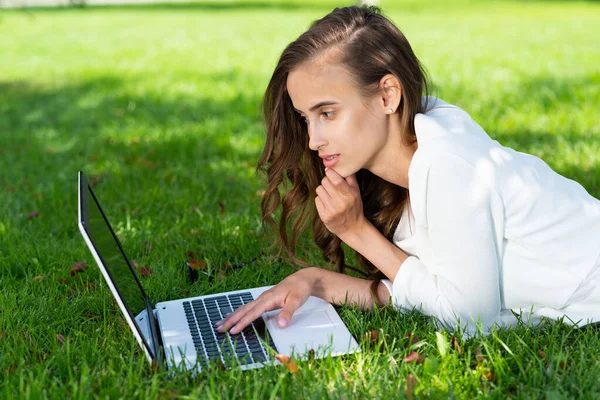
{"points": [[309, 319]]}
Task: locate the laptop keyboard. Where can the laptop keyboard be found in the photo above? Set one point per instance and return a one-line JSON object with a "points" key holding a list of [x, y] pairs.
{"points": [[245, 347]]}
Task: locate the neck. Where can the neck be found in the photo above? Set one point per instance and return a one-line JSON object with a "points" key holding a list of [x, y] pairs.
{"points": [[394, 159]]}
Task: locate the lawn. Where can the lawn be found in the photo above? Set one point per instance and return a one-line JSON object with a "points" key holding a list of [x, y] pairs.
{"points": [[160, 106]]}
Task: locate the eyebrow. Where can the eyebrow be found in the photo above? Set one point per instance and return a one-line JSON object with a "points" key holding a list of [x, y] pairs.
{"points": [[319, 105]]}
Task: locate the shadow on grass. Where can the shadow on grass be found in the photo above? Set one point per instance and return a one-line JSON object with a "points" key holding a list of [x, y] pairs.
{"points": [[156, 159]]}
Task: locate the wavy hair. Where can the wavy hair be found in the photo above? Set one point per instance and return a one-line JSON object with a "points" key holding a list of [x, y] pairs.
{"points": [[370, 47]]}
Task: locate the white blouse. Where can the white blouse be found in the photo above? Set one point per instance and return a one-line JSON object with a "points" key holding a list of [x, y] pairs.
{"points": [[491, 231]]}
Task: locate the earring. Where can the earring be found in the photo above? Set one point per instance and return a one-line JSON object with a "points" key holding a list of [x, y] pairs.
{"points": [[389, 111]]}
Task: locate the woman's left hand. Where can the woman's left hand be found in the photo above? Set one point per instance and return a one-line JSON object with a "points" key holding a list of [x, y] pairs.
{"points": [[339, 203]]}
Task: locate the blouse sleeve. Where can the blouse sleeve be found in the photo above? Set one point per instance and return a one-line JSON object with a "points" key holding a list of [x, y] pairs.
{"points": [[460, 282]]}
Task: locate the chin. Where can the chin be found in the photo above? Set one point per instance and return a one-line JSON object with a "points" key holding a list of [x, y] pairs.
{"points": [[344, 172]]}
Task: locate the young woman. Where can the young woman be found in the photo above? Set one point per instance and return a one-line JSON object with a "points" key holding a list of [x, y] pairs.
{"points": [[460, 227]]}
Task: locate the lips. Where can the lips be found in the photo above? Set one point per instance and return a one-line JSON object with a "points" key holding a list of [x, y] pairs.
{"points": [[330, 160]]}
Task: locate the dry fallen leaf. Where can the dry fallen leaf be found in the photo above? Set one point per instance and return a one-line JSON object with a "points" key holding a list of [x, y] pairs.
{"points": [[413, 357], [488, 375], [412, 339], [541, 354], [145, 271], [371, 336], [33, 214], [60, 338], [479, 356], [456, 345], [221, 207], [288, 362], [78, 267], [197, 264]]}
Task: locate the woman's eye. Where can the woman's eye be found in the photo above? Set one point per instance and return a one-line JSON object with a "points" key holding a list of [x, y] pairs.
{"points": [[327, 114]]}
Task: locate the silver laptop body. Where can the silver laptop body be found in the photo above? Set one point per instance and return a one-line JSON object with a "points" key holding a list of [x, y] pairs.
{"points": [[180, 333]]}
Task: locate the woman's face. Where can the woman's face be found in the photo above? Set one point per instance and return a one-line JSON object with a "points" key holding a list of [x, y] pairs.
{"points": [[341, 123]]}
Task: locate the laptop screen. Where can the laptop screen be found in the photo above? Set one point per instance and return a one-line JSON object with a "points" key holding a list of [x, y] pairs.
{"points": [[115, 262]]}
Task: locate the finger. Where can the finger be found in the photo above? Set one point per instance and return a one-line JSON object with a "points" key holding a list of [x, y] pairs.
{"points": [[233, 318], [292, 303], [322, 193], [335, 178], [251, 316], [320, 206], [329, 187], [338, 182], [351, 180]]}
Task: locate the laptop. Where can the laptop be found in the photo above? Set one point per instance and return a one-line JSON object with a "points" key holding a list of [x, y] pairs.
{"points": [[180, 333]]}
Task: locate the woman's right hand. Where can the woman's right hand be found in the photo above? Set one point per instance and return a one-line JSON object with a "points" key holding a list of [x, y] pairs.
{"points": [[289, 294]]}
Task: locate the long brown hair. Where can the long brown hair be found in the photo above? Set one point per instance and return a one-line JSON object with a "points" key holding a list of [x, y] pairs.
{"points": [[370, 47]]}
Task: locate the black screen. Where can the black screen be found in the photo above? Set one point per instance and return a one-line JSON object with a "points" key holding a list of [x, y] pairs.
{"points": [[114, 260]]}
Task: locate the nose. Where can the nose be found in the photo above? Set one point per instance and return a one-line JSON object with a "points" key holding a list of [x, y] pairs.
{"points": [[316, 139]]}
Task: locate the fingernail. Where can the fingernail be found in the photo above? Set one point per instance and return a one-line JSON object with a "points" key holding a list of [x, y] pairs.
{"points": [[282, 322], [219, 324], [233, 330], [220, 329]]}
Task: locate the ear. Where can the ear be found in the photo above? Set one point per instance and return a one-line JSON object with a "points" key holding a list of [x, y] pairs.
{"points": [[391, 93]]}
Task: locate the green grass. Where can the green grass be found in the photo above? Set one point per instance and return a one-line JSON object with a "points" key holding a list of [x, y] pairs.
{"points": [[161, 105]]}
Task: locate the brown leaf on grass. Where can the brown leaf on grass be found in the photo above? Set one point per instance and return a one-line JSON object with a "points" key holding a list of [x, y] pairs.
{"points": [[456, 345], [220, 366], [413, 357], [489, 376], [411, 384], [33, 214], [39, 278], [64, 281], [60, 338], [145, 271], [412, 339], [479, 356], [197, 264], [541, 354], [78, 267], [221, 207], [311, 355], [91, 316], [371, 336], [288, 362]]}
